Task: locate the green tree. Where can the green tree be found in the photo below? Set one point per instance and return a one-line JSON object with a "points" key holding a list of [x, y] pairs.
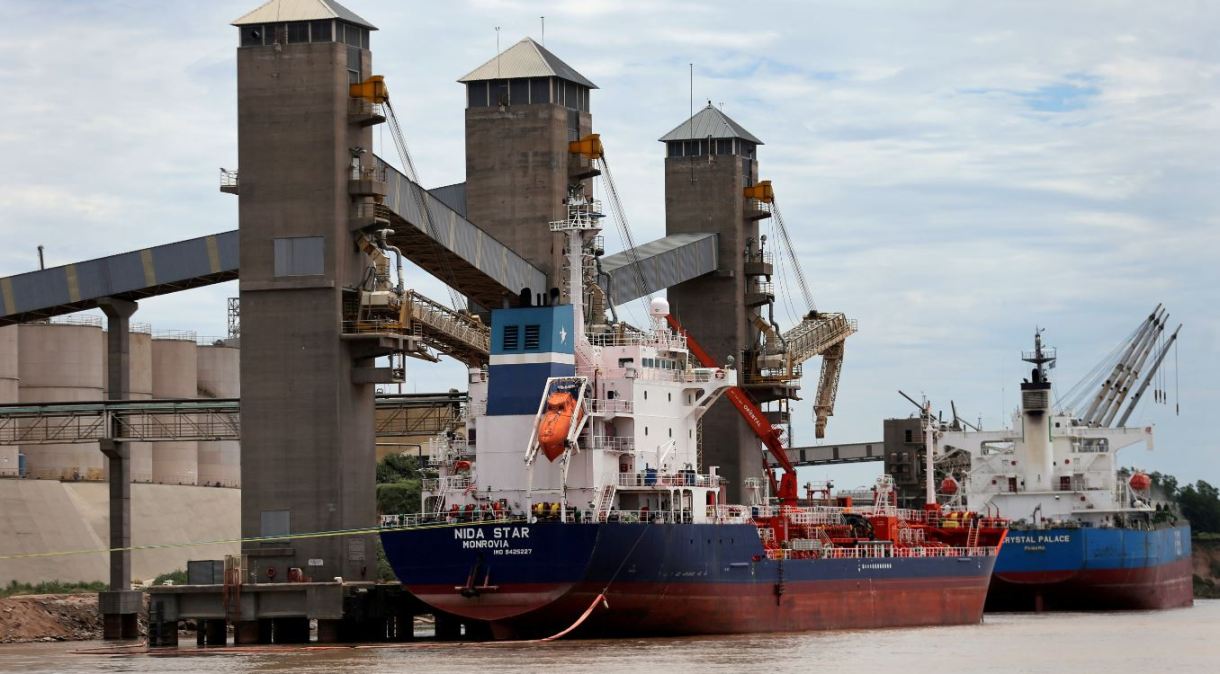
{"points": [[1200, 503]]}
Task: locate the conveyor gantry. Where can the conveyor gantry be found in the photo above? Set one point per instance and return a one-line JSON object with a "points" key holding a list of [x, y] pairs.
{"points": [[206, 419]]}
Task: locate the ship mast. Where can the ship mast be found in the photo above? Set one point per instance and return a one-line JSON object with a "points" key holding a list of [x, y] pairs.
{"points": [[1038, 458]]}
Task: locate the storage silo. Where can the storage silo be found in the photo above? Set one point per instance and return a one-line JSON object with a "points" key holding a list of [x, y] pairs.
{"points": [[174, 367], [219, 376], [9, 464], [61, 362], [139, 387]]}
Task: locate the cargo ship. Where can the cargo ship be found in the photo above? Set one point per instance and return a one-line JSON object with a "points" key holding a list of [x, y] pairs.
{"points": [[1084, 535], [575, 502]]}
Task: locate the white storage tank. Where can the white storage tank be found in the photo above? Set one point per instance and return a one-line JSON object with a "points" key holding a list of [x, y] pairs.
{"points": [[8, 395], [62, 362], [139, 388], [174, 367], [219, 376]]}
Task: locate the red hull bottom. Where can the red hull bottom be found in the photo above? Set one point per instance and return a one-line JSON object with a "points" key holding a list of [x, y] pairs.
{"points": [[647, 609], [1147, 588]]}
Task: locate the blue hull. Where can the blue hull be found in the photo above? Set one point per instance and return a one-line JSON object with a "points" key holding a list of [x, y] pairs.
{"points": [[1091, 568], [536, 579]]}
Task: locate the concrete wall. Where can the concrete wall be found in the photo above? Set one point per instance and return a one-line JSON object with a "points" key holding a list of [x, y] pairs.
{"points": [[42, 516], [61, 363], [8, 394], [704, 194], [174, 375], [219, 376]]}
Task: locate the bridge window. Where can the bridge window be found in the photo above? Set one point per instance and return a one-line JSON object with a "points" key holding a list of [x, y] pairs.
{"points": [[512, 337], [533, 339], [299, 256]]}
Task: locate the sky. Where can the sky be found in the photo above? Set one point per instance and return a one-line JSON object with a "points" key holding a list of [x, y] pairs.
{"points": [[954, 174]]}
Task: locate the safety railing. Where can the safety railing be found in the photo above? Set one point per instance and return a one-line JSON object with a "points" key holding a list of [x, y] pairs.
{"points": [[228, 181], [442, 324], [605, 406], [647, 516], [481, 516], [612, 443], [374, 173], [665, 480], [661, 339], [447, 483], [875, 551], [77, 319]]}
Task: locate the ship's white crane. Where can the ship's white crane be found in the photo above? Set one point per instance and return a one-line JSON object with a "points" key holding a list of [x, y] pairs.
{"points": [[1122, 369]]}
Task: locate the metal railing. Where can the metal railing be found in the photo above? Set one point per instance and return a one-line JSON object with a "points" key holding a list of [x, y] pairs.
{"points": [[447, 483], [373, 173], [612, 443], [606, 406], [648, 516], [176, 335], [875, 551], [442, 326], [665, 480], [77, 319], [228, 180]]}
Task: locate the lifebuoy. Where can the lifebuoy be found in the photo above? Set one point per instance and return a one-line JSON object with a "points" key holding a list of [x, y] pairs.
{"points": [[720, 374]]}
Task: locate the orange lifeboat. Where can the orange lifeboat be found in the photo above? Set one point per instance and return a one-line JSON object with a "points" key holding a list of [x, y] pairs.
{"points": [[556, 421]]}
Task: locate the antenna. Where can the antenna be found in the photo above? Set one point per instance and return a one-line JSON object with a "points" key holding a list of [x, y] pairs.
{"points": [[542, 19], [690, 123], [497, 52], [41, 263]]}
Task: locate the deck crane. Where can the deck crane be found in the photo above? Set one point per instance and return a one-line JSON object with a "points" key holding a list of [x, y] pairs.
{"points": [[1108, 386], [818, 334], [757, 420]]}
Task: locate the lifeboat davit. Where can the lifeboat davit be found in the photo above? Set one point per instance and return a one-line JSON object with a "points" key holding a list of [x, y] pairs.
{"points": [[557, 420]]}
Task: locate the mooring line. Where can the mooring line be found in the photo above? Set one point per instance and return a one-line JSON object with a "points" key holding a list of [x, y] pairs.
{"points": [[256, 539]]}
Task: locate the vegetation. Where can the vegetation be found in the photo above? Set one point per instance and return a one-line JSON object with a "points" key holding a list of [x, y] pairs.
{"points": [[398, 488], [1199, 502], [177, 577], [50, 587]]}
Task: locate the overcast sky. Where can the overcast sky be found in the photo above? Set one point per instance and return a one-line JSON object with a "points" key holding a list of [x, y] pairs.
{"points": [[954, 173]]}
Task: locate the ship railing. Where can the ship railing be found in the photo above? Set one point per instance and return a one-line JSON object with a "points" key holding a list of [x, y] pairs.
{"points": [[475, 408], [646, 516], [665, 480], [730, 514], [446, 483], [612, 443], [662, 340], [411, 520], [602, 406], [882, 552]]}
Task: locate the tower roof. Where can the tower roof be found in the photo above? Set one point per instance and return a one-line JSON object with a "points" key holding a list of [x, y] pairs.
{"points": [[526, 59], [276, 11], [710, 121]]}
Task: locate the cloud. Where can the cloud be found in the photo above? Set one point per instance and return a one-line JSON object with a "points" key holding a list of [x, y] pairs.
{"points": [[953, 174]]}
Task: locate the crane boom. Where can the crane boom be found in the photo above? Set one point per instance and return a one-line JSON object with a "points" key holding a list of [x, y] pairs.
{"points": [[754, 417], [1156, 365]]}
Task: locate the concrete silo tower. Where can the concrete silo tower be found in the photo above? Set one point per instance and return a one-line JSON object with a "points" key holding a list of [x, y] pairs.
{"points": [[709, 160], [523, 107], [306, 172]]}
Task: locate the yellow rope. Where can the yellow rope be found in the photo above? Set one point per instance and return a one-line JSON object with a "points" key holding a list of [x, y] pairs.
{"points": [[252, 539]]}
